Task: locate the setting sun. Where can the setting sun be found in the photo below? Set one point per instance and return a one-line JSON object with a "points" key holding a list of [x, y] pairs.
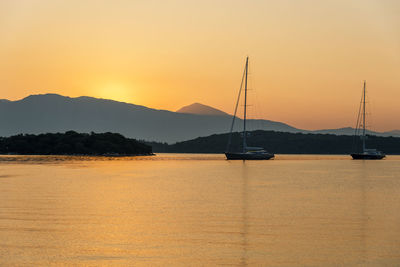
{"points": [[114, 91]]}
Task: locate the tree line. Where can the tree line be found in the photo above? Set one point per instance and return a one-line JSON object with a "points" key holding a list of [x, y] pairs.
{"points": [[281, 143], [73, 143]]}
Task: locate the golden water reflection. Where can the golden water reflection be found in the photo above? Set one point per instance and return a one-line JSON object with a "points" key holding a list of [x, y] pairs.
{"points": [[199, 210]]}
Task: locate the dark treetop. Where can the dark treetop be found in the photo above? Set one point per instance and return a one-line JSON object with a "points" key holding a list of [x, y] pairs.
{"points": [[282, 143], [73, 143]]}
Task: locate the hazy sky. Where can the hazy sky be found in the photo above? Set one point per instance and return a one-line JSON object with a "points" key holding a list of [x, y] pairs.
{"points": [[308, 59]]}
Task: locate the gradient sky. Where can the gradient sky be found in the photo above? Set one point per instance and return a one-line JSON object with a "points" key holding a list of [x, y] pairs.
{"points": [[308, 58]]}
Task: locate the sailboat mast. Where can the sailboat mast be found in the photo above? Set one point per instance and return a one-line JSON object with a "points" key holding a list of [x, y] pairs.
{"points": [[245, 106], [364, 118]]}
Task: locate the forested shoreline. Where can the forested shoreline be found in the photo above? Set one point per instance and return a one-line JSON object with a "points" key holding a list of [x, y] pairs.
{"points": [[281, 143], [114, 144], [73, 143]]}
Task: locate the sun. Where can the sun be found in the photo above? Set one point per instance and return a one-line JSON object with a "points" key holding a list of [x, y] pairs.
{"points": [[114, 91]]}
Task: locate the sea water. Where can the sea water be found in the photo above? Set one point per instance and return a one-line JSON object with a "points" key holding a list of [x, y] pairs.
{"points": [[199, 210]]}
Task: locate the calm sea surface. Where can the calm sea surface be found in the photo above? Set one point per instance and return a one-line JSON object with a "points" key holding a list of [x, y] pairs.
{"points": [[195, 210]]}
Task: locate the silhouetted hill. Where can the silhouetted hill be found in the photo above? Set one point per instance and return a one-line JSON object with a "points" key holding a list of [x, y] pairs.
{"points": [[350, 131], [54, 113], [392, 133], [200, 109], [281, 143], [72, 143]]}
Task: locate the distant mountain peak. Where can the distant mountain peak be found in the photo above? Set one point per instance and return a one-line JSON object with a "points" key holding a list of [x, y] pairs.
{"points": [[42, 98], [200, 109], [49, 95]]}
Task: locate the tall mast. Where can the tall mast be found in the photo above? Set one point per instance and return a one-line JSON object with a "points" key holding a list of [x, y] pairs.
{"points": [[245, 106], [364, 118]]}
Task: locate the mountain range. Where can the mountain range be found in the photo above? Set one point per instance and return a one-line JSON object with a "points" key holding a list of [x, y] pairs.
{"points": [[55, 113]]}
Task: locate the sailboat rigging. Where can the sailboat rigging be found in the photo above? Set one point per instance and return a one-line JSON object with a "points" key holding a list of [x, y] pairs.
{"points": [[366, 153], [247, 153]]}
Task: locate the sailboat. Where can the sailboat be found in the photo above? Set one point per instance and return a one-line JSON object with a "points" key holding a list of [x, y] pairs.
{"points": [[247, 153], [366, 153]]}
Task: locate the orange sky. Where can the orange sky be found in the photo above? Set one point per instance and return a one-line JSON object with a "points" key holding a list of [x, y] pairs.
{"points": [[308, 58]]}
